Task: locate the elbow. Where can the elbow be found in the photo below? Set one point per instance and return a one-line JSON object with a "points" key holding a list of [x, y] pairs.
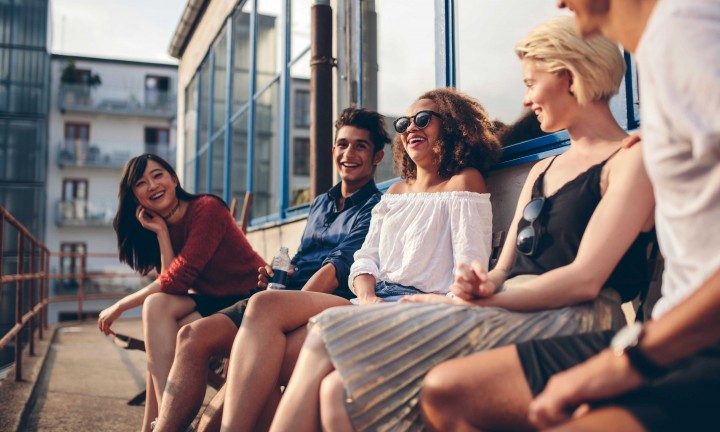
{"points": [[588, 285]]}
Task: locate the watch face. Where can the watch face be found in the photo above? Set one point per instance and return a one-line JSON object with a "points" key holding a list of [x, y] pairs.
{"points": [[627, 337]]}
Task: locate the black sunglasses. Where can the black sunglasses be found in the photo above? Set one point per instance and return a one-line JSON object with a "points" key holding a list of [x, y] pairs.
{"points": [[421, 120], [528, 237]]}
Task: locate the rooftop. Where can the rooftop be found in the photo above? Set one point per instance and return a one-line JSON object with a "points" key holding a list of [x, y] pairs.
{"points": [[78, 380]]}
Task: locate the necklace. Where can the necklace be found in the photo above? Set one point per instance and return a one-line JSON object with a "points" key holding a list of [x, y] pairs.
{"points": [[172, 212]]}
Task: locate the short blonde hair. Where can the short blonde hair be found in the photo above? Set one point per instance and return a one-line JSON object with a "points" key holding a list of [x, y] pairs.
{"points": [[596, 65]]}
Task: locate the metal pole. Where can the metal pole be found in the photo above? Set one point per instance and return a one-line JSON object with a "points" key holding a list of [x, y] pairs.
{"points": [[43, 271], [18, 307], [81, 288], [46, 292], [31, 321], [321, 103]]}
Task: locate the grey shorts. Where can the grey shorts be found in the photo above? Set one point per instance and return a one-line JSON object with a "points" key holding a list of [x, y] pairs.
{"points": [[684, 399], [236, 311]]}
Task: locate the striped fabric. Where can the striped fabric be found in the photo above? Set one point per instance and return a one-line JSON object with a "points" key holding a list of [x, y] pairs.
{"points": [[382, 352]]}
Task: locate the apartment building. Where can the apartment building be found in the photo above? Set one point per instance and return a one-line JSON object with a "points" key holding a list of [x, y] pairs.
{"points": [[102, 112]]}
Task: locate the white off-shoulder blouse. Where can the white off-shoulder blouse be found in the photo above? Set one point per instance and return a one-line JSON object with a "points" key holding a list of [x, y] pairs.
{"points": [[417, 239]]}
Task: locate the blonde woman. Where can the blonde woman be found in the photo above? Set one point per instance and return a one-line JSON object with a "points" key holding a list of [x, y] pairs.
{"points": [[569, 261]]}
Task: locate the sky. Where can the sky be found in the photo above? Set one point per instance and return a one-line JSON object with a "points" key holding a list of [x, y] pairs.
{"points": [[121, 29]]}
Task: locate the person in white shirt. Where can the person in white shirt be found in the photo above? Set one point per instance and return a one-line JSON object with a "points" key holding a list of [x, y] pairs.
{"points": [[570, 258], [664, 375], [438, 215]]}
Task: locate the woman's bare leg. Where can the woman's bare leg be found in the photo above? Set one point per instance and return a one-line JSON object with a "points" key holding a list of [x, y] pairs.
{"points": [[299, 409], [161, 315], [259, 350], [151, 406], [333, 414]]}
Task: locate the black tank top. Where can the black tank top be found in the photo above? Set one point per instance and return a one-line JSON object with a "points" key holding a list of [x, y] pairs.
{"points": [[562, 223]]}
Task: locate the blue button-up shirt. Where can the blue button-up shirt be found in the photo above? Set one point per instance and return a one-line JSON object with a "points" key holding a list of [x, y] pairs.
{"points": [[333, 236]]}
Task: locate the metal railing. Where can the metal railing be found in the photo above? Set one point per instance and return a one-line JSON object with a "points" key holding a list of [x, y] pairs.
{"points": [[31, 279], [112, 100]]}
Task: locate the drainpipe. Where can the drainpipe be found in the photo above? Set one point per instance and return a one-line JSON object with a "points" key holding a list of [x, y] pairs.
{"points": [[321, 103]]}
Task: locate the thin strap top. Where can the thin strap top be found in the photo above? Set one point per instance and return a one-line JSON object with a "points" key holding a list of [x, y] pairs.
{"points": [[562, 223]]}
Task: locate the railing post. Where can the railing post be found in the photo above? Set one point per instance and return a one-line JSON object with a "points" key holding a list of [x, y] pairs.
{"points": [[81, 286], [18, 307], [2, 245], [46, 288], [31, 322]]}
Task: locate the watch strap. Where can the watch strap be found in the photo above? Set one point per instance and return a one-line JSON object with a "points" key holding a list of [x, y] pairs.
{"points": [[641, 363]]}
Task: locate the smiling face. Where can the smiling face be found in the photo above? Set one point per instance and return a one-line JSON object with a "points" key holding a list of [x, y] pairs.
{"points": [[354, 158], [548, 96], [420, 143], [155, 189]]}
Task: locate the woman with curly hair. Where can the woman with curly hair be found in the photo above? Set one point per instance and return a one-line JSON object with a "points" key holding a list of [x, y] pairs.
{"points": [[578, 251], [437, 216]]}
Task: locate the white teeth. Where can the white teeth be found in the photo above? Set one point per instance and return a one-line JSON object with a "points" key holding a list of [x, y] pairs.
{"points": [[157, 195], [414, 140]]}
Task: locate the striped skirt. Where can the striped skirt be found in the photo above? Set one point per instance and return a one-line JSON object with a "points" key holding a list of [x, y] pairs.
{"points": [[382, 352]]}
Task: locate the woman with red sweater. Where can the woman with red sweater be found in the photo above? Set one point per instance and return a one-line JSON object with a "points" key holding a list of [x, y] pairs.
{"points": [[204, 261]]}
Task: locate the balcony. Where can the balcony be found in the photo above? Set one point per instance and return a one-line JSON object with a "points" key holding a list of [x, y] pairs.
{"points": [[80, 153], [80, 212], [81, 98]]}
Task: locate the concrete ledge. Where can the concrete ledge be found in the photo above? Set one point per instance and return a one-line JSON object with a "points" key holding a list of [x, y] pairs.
{"points": [[16, 397]]}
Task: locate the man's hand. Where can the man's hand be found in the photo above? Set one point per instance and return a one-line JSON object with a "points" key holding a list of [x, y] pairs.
{"points": [[603, 376], [472, 282], [265, 274]]}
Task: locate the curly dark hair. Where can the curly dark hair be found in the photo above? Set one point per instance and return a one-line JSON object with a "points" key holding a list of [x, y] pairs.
{"points": [[371, 121], [467, 137]]}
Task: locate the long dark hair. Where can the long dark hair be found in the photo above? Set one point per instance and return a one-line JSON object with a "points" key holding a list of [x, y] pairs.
{"points": [[137, 246], [467, 137]]}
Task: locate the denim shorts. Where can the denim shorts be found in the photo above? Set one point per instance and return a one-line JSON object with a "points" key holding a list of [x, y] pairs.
{"points": [[392, 292]]}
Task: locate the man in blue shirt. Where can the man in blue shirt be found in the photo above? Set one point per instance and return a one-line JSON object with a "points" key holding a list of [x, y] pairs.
{"points": [[336, 227]]}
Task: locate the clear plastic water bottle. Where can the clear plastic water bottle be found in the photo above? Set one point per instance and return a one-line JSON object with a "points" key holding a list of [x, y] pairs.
{"points": [[280, 268]]}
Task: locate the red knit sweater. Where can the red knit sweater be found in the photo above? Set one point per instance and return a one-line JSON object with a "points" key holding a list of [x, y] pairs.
{"points": [[212, 255]]}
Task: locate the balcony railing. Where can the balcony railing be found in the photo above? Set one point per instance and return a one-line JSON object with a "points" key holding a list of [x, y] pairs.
{"points": [[81, 153], [108, 100], [31, 294], [80, 212]]}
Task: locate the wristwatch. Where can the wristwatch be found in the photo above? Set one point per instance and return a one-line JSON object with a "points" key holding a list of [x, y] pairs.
{"points": [[627, 342]]}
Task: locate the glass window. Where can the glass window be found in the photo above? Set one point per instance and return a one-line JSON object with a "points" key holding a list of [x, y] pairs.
{"points": [[301, 104], [204, 118], [399, 61], [300, 27], [239, 165], [493, 74], [269, 41], [24, 152], [220, 81], [218, 165], [191, 116], [265, 166], [202, 161], [241, 60]]}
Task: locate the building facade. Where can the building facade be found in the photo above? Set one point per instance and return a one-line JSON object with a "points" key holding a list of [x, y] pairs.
{"points": [[102, 113], [239, 97], [24, 68]]}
